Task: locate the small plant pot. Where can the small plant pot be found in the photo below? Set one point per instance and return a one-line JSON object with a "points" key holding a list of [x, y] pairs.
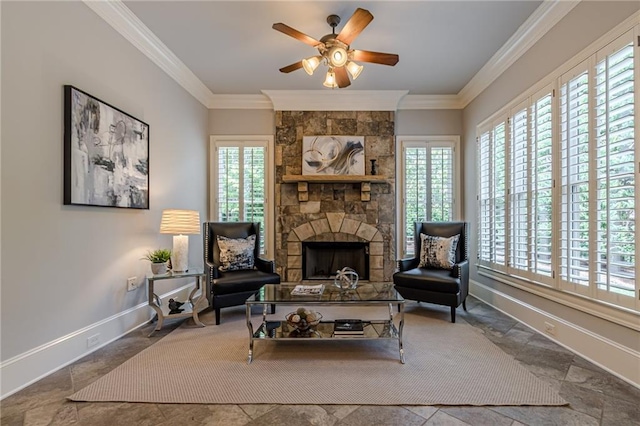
{"points": [[159, 268]]}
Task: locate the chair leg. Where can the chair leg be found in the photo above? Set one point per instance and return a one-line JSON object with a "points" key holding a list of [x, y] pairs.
{"points": [[273, 308], [453, 314], [217, 316], [464, 304]]}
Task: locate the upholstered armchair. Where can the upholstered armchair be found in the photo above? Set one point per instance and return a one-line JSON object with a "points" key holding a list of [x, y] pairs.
{"points": [[232, 263], [425, 277]]}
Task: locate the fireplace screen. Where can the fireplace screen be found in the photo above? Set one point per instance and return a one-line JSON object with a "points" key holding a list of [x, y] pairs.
{"points": [[321, 260]]}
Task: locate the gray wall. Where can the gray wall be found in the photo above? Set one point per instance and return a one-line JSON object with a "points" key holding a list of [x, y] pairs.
{"points": [[582, 26], [65, 267], [430, 122], [242, 122]]}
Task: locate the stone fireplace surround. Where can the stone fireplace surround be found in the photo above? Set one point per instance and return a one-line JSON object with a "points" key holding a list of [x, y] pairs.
{"points": [[335, 211]]}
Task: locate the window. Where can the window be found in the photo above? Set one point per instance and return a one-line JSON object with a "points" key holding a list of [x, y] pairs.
{"points": [[574, 180], [241, 168], [427, 184], [492, 196], [584, 140], [519, 190], [614, 183]]}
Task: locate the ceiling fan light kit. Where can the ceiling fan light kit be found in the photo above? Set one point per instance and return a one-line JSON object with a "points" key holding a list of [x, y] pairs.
{"points": [[310, 64], [330, 80], [335, 50]]}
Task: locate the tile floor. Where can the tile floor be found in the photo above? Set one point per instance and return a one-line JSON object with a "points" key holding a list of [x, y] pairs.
{"points": [[595, 396]]}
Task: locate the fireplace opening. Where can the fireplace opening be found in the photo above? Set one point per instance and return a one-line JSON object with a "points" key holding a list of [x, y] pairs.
{"points": [[321, 259]]}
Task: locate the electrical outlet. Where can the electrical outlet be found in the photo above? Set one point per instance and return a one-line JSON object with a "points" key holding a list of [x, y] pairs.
{"points": [[131, 284], [550, 328], [93, 340]]}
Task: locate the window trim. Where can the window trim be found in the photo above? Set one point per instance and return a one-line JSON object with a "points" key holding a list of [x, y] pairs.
{"points": [[266, 141], [422, 141]]}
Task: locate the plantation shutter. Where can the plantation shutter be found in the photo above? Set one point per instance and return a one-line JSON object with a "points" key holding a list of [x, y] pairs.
{"points": [[574, 172], [541, 162], [615, 270], [229, 184], [428, 189], [499, 194], [519, 190], [241, 186], [485, 214]]}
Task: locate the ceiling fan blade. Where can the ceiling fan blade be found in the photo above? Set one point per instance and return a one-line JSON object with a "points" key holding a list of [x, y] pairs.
{"points": [[291, 67], [354, 26], [375, 57], [342, 79], [285, 29]]}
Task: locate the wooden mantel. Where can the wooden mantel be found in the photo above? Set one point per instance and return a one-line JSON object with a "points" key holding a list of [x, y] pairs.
{"points": [[304, 181]]}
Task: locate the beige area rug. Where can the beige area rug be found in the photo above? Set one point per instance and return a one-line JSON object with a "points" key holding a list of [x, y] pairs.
{"points": [[446, 364]]}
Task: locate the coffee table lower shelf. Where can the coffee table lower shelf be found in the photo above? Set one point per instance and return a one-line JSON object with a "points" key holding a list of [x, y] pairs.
{"points": [[281, 330]]}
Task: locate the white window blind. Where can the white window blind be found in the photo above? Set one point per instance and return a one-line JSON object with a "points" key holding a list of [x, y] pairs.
{"points": [[427, 184], [572, 165], [541, 206], [615, 174], [240, 172], [499, 194], [485, 202], [574, 176], [519, 191]]}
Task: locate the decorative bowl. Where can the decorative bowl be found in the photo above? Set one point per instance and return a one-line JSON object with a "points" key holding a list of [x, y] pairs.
{"points": [[303, 319]]}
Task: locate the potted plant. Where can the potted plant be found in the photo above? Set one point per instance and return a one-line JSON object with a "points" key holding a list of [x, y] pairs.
{"points": [[158, 259]]}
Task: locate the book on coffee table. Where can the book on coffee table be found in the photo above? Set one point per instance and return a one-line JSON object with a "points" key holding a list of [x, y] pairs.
{"points": [[348, 327], [307, 290]]}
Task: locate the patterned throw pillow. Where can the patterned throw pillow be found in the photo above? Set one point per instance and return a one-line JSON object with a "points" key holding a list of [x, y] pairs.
{"points": [[236, 253], [438, 252]]}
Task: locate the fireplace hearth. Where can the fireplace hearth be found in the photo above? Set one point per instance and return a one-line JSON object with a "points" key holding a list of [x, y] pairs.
{"points": [[321, 259]]}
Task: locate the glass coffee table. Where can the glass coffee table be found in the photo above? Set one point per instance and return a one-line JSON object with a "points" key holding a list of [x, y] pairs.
{"points": [[369, 294]]}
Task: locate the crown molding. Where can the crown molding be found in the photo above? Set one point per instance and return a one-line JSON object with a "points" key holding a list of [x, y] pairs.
{"points": [[549, 13], [333, 100], [240, 102], [125, 22]]}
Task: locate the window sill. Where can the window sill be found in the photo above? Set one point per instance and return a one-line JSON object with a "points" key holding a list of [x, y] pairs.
{"points": [[616, 314]]}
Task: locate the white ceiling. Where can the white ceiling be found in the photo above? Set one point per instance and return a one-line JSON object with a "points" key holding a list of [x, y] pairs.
{"points": [[231, 47]]}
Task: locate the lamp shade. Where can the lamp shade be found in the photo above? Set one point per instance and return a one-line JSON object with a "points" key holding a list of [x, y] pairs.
{"points": [[180, 222]]}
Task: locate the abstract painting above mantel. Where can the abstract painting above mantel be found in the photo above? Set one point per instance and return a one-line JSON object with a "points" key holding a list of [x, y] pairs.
{"points": [[106, 154], [333, 155]]}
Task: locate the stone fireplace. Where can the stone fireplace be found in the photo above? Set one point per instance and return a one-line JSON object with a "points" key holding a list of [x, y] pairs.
{"points": [[335, 211]]}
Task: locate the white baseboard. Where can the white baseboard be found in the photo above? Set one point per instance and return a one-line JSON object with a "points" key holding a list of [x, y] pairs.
{"points": [[29, 367], [619, 360]]}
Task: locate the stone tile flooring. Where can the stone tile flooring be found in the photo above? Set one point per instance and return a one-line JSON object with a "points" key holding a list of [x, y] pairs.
{"points": [[595, 396]]}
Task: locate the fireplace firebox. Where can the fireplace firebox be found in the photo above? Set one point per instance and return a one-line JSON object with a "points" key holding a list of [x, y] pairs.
{"points": [[321, 259]]}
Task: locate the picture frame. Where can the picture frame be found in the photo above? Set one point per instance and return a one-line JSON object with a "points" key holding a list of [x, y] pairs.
{"points": [[333, 155], [106, 154]]}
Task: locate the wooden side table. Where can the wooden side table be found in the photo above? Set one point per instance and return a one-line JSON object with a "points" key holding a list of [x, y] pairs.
{"points": [[191, 308]]}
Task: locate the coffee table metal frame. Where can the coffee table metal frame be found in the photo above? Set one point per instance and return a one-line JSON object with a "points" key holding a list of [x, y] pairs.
{"points": [[280, 294]]}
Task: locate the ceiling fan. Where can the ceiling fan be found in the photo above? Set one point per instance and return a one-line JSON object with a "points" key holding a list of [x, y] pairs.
{"points": [[335, 50]]}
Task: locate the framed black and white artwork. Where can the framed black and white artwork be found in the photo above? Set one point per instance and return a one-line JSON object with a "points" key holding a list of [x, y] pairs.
{"points": [[333, 155], [106, 154]]}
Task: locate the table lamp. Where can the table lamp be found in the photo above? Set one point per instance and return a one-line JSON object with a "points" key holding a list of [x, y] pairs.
{"points": [[180, 223]]}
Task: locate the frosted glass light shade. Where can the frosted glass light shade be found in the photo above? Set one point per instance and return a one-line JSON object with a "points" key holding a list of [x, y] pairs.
{"points": [[330, 80], [310, 64], [354, 69], [338, 56]]}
